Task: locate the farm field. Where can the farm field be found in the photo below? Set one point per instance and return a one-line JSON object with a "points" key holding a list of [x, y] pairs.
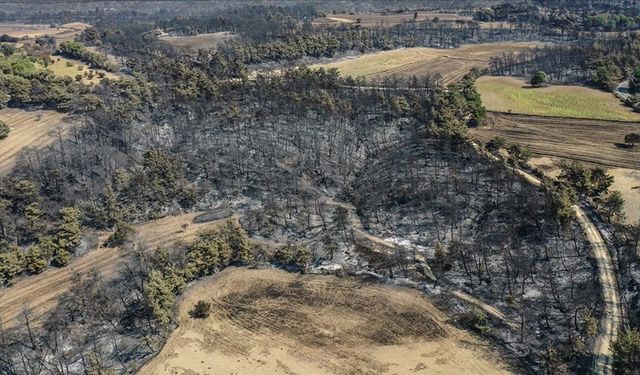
{"points": [[506, 94], [36, 129], [29, 33], [593, 142], [451, 64], [40, 292], [200, 41], [273, 322]]}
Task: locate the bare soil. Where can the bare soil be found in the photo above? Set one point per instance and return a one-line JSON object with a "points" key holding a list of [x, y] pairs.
{"points": [[452, 64], [36, 129], [200, 41], [593, 142], [270, 321]]}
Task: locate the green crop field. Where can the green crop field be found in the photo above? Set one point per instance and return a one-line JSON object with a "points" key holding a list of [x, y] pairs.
{"points": [[506, 94]]}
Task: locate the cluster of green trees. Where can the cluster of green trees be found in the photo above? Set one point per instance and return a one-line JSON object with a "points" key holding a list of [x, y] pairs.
{"points": [[22, 83], [211, 251], [4, 130], [143, 193], [49, 246], [76, 50]]}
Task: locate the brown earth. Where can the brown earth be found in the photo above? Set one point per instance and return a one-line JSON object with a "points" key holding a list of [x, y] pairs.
{"points": [[272, 322], [40, 292], [593, 142], [200, 41], [452, 64], [36, 129], [29, 32]]}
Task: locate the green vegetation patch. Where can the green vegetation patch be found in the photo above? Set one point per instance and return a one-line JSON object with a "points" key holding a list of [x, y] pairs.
{"points": [[508, 94]]}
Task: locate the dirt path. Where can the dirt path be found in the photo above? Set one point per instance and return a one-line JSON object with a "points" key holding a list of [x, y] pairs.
{"points": [[486, 308], [610, 322]]}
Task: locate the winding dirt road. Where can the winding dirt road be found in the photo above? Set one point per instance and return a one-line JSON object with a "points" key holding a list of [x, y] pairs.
{"points": [[610, 322], [611, 318]]}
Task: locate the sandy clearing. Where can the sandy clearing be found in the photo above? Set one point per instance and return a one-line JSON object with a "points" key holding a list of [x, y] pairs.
{"points": [[35, 129], [627, 182], [200, 41], [40, 292], [273, 322], [452, 64]]}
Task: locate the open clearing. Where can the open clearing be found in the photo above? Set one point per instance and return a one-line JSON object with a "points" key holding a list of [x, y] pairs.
{"points": [[273, 322], [506, 94], [452, 64], [29, 33], [36, 129], [200, 41], [593, 142], [63, 66], [40, 292]]}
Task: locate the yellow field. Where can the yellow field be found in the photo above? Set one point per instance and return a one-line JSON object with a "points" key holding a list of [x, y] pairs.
{"points": [[451, 64], [200, 41], [63, 66], [28, 32], [273, 322], [36, 129], [509, 94]]}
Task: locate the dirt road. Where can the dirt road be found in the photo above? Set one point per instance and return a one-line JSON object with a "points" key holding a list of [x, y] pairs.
{"points": [[610, 323]]}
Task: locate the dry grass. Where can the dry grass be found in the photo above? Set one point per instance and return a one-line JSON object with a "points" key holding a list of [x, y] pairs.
{"points": [[451, 64], [200, 41], [29, 32], [593, 142], [40, 292], [63, 66], [36, 129], [627, 181], [506, 94], [270, 321]]}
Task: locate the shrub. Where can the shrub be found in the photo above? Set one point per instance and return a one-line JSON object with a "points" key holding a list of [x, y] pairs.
{"points": [[201, 310], [292, 255], [4, 130]]}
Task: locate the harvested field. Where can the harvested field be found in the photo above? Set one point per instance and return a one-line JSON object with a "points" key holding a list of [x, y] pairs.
{"points": [[451, 64], [36, 129], [29, 33], [589, 141], [40, 292], [512, 94], [271, 321], [593, 142], [200, 41], [392, 19]]}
